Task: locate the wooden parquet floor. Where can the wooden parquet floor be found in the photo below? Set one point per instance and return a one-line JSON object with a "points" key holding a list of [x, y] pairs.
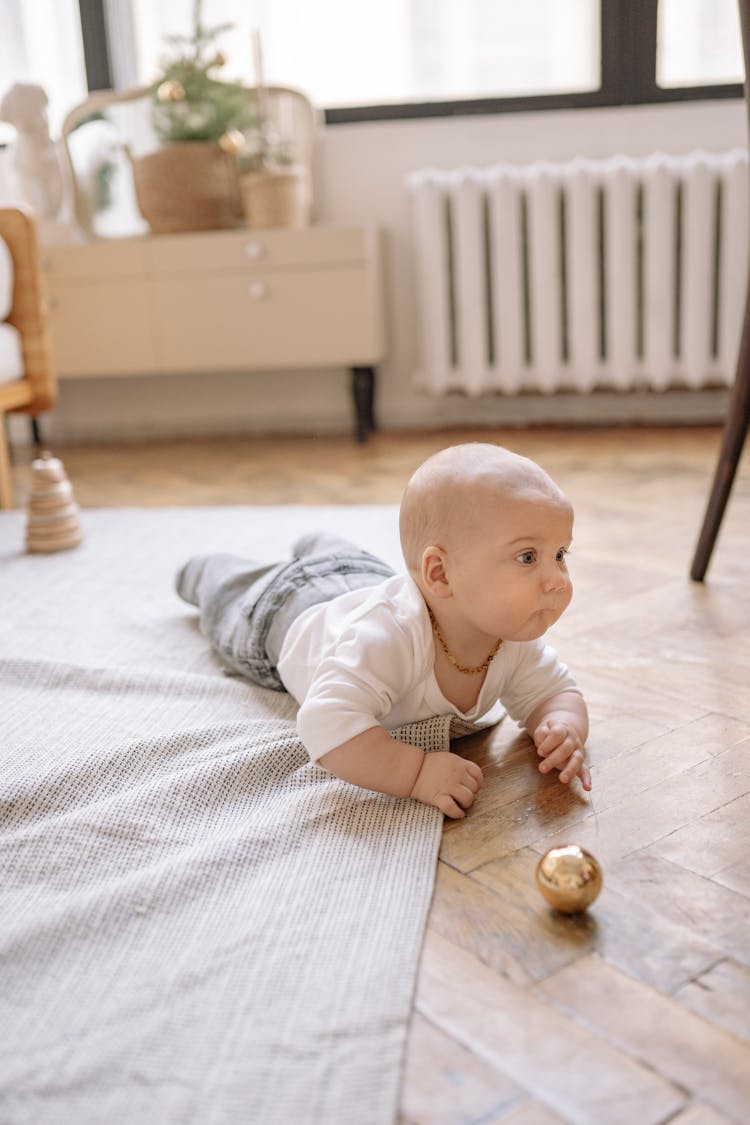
{"points": [[637, 1012]]}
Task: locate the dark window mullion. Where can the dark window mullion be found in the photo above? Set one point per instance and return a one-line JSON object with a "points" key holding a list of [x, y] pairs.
{"points": [[95, 45], [628, 45]]}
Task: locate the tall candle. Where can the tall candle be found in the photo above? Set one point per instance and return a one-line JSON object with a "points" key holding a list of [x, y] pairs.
{"points": [[257, 58], [260, 84]]}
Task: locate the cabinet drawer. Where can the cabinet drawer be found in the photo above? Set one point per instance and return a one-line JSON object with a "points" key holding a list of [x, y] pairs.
{"points": [[99, 330], [114, 259], [301, 319], [250, 250]]}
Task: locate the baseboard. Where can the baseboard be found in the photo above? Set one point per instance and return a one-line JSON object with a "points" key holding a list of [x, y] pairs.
{"points": [[671, 408]]}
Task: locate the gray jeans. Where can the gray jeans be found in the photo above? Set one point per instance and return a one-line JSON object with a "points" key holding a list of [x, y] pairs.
{"points": [[247, 607]]}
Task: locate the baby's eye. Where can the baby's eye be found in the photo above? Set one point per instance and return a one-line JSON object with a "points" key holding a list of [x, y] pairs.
{"points": [[560, 556], [527, 557]]}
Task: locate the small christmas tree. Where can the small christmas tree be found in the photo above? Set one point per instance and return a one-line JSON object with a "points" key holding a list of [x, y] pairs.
{"points": [[190, 104]]}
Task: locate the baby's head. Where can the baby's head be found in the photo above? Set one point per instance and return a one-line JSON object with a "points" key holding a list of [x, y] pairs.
{"points": [[475, 517], [452, 495]]}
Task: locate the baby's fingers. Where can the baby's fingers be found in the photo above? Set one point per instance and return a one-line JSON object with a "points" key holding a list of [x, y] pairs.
{"points": [[576, 767], [549, 736], [464, 795], [572, 767], [473, 780], [557, 758], [475, 773], [449, 806]]}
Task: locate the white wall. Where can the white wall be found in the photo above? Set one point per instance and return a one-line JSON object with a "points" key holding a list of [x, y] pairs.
{"points": [[361, 173]]}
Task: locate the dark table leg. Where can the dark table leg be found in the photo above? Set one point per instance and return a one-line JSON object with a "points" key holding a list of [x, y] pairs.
{"points": [[732, 441], [738, 409]]}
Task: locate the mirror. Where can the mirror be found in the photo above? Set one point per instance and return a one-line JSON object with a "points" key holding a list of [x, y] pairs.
{"points": [[100, 137], [106, 137]]}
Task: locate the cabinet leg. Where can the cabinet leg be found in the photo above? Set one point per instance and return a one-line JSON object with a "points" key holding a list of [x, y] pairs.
{"points": [[36, 432], [363, 393]]}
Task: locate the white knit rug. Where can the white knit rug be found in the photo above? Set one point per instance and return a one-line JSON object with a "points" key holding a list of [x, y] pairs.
{"points": [[196, 925]]}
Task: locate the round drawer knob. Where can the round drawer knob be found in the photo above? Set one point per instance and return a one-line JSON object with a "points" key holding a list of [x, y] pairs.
{"points": [[255, 250], [258, 290]]}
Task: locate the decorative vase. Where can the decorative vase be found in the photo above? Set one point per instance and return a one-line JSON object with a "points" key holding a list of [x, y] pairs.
{"points": [[188, 186], [276, 198]]}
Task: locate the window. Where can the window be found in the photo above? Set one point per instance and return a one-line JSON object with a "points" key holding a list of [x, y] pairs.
{"points": [[699, 43], [344, 53], [374, 59], [40, 42]]}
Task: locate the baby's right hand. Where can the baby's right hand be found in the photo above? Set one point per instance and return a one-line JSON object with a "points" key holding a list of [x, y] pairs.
{"points": [[449, 782]]}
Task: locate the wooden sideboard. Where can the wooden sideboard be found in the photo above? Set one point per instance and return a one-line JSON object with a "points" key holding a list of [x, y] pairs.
{"points": [[236, 300]]}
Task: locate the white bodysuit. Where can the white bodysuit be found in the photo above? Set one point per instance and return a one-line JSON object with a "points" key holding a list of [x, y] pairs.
{"points": [[367, 658]]}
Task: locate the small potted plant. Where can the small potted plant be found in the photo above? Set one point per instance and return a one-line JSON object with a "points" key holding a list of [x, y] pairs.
{"points": [[191, 181], [275, 188]]}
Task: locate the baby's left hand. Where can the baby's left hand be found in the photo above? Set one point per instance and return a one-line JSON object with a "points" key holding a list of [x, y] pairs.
{"points": [[560, 746]]}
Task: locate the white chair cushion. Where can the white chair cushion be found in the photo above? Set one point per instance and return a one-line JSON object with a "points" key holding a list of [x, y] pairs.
{"points": [[11, 359], [6, 280]]}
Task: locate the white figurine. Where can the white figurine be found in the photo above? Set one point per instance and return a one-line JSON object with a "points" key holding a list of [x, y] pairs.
{"points": [[35, 160]]}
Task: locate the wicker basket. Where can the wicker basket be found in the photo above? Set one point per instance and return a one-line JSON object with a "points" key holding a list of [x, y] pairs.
{"points": [[188, 186], [276, 199]]}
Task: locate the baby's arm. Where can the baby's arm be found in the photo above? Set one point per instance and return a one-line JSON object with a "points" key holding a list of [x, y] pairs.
{"points": [[374, 760], [559, 727]]}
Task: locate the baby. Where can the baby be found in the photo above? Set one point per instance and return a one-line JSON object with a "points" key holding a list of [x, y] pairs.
{"points": [[484, 534]]}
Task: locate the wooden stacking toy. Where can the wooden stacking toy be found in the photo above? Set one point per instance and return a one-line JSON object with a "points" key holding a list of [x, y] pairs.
{"points": [[54, 522]]}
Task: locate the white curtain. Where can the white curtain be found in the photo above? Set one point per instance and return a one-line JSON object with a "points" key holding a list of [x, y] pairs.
{"points": [[40, 42]]}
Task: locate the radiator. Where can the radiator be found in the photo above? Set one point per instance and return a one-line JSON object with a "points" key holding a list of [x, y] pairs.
{"points": [[624, 273]]}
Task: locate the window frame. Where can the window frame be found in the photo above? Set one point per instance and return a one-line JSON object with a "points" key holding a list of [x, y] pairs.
{"points": [[628, 73], [96, 51]]}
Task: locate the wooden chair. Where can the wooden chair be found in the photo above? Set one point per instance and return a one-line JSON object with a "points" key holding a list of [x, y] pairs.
{"points": [[738, 410], [36, 390]]}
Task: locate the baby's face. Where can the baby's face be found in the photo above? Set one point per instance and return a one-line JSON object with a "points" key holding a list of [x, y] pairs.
{"points": [[512, 580]]}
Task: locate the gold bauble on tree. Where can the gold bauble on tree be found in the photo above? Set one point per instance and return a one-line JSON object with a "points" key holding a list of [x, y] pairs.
{"points": [[232, 142], [569, 878], [171, 91]]}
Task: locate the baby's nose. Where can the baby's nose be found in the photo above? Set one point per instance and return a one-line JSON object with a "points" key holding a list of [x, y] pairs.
{"points": [[554, 580]]}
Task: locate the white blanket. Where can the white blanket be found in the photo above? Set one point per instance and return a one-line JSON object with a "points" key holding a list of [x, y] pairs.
{"points": [[6, 280], [196, 924], [11, 359]]}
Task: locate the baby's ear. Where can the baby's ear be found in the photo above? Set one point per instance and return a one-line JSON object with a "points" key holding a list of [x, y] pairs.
{"points": [[434, 571]]}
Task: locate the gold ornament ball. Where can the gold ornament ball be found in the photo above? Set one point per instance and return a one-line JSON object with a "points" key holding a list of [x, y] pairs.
{"points": [[569, 878], [170, 91], [232, 142]]}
